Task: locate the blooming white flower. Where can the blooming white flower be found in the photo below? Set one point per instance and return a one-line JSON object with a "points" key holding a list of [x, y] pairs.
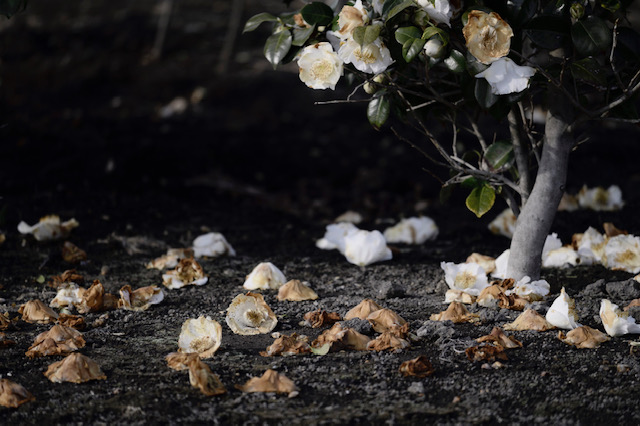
{"points": [[320, 67], [616, 322], [504, 76], [562, 257], [468, 277], [622, 253], [212, 244], [530, 290], [350, 18], [265, 276], [590, 246], [439, 11], [48, 228], [413, 230], [373, 58], [366, 247], [601, 199], [334, 236], [504, 224], [562, 312]]}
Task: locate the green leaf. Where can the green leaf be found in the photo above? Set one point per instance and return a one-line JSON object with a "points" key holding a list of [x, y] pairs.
{"points": [[365, 35], [455, 62], [255, 21], [378, 110], [317, 13], [412, 48], [404, 34], [277, 47], [589, 71], [591, 36], [483, 94], [481, 199], [499, 156], [392, 7], [435, 31], [548, 32], [301, 35], [9, 8], [521, 11]]}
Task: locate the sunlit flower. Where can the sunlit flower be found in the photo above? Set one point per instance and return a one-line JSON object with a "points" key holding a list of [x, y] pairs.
{"points": [[562, 257], [372, 58], [202, 336], [75, 368], [468, 277], [188, 272], [350, 18], [504, 224], [212, 244], [530, 290], [363, 248], [601, 199], [590, 246], [320, 67], [504, 76], [487, 35], [529, 320], [249, 314], [562, 312], [439, 11], [616, 322], [334, 236], [413, 230], [48, 228], [584, 337], [622, 253], [264, 276]]}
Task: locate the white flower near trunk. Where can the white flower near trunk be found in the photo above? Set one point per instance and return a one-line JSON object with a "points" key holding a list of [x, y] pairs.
{"points": [[320, 67], [590, 246], [366, 247], [439, 11], [48, 228], [562, 312], [562, 257], [616, 322], [467, 277], [530, 290], [413, 230], [504, 224], [372, 58], [265, 276], [622, 253], [601, 199], [334, 236], [504, 76], [212, 244], [502, 263]]}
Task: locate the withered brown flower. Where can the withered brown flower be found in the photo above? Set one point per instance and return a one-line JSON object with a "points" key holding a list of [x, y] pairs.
{"points": [[419, 367], [12, 394], [171, 259], [73, 321], [498, 337], [384, 320], [140, 299], [34, 311], [341, 338], [288, 345], [68, 276], [388, 341], [4, 342], [487, 35], [75, 368], [95, 299], [201, 377], [488, 263], [363, 310], [270, 381], [249, 314], [487, 353], [584, 337], [457, 313], [179, 360], [71, 253], [529, 320], [59, 340], [321, 317], [5, 322], [187, 272], [296, 291]]}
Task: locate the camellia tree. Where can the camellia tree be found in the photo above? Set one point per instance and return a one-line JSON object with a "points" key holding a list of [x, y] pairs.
{"points": [[460, 62]]}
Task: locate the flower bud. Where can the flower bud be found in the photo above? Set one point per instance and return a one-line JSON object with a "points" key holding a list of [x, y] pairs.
{"points": [[433, 48]]}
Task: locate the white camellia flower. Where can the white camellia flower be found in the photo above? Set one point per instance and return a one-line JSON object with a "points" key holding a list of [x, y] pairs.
{"points": [[601, 199], [552, 242], [622, 253], [212, 244], [202, 336], [433, 48], [373, 58], [616, 322], [366, 247], [439, 11], [562, 257], [530, 290], [504, 76], [467, 277], [334, 236], [562, 312], [320, 67], [413, 230], [265, 276], [590, 246]]}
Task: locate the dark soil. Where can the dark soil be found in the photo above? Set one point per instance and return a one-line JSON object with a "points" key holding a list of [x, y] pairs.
{"points": [[257, 161]]}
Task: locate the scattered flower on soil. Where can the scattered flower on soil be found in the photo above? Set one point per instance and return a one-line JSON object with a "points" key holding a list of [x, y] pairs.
{"points": [[4, 342], [562, 257], [34, 311], [413, 230], [362, 310], [48, 228], [317, 319], [340, 338], [179, 361], [590, 246], [363, 248], [67, 277], [497, 337], [350, 217], [623, 253], [140, 299], [504, 224], [467, 277], [296, 291], [188, 272], [202, 336], [334, 236], [455, 295], [456, 313], [486, 353], [384, 320], [288, 345], [249, 314], [529, 320], [584, 337], [265, 276], [73, 321], [12, 394], [388, 341], [212, 244], [94, 299], [59, 340], [488, 263], [601, 199], [562, 312], [5, 322], [530, 290], [270, 381], [75, 368], [610, 230], [616, 322], [69, 294], [71, 253], [201, 377], [170, 259], [419, 367], [490, 296]]}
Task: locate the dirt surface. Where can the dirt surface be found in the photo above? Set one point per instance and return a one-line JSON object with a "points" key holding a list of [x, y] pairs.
{"points": [[83, 136]]}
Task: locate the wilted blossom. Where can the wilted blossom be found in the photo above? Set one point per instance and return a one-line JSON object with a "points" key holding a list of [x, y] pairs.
{"points": [[616, 322], [584, 337], [212, 244], [601, 199], [439, 11], [562, 312], [590, 246], [467, 277], [505, 77], [350, 18], [413, 230], [48, 228], [562, 257], [530, 290], [334, 236], [188, 272], [363, 248], [622, 253], [372, 58], [249, 314], [320, 67], [529, 320], [202, 336], [487, 35], [12, 394], [265, 276]]}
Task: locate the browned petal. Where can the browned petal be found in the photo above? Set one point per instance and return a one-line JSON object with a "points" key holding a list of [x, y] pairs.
{"points": [[584, 337], [75, 368], [73, 321], [488, 263], [362, 310], [5, 322], [34, 311], [387, 341], [288, 345], [4, 342], [498, 337], [188, 270], [320, 317], [457, 313], [610, 230], [68, 276], [270, 381], [140, 299], [513, 302], [180, 360], [12, 394], [634, 302], [59, 340], [419, 367], [71, 253], [385, 319], [342, 339], [529, 320], [487, 353], [296, 291], [201, 377]]}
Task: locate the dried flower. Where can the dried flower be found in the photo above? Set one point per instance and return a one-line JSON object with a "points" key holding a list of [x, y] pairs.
{"points": [[363, 248], [201, 377], [321, 317], [49, 228], [68, 276], [69, 294], [296, 291], [288, 345], [487, 35], [601, 199], [419, 367], [341, 338], [562, 312], [94, 299], [504, 224], [188, 272], [584, 337], [248, 314], [71, 253], [73, 321], [589, 246], [34, 311], [4, 342], [529, 320], [413, 230], [75, 368], [455, 295], [362, 310], [487, 263], [212, 244], [616, 322], [486, 353], [490, 296], [468, 277], [497, 337], [530, 290], [373, 58], [179, 361], [350, 18], [171, 259], [388, 341], [384, 320], [562, 257], [456, 313], [202, 336], [622, 253], [611, 230], [270, 381], [12, 394], [140, 299], [265, 276], [505, 77], [59, 340], [5, 322], [320, 67]]}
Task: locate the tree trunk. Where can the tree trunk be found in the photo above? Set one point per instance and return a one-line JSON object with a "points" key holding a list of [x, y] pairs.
{"points": [[536, 217]]}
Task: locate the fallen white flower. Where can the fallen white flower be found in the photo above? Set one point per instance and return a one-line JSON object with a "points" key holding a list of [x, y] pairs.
{"points": [[212, 244], [622, 253], [504, 224], [170, 259], [202, 336], [590, 246], [562, 257], [48, 228], [349, 216], [504, 76], [413, 230], [188, 272], [363, 248], [502, 263], [334, 236], [248, 314], [562, 312], [467, 277], [601, 199], [265, 276], [530, 290], [616, 322], [455, 295], [70, 295], [552, 242]]}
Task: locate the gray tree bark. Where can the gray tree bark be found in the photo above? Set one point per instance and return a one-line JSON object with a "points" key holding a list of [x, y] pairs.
{"points": [[536, 216]]}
